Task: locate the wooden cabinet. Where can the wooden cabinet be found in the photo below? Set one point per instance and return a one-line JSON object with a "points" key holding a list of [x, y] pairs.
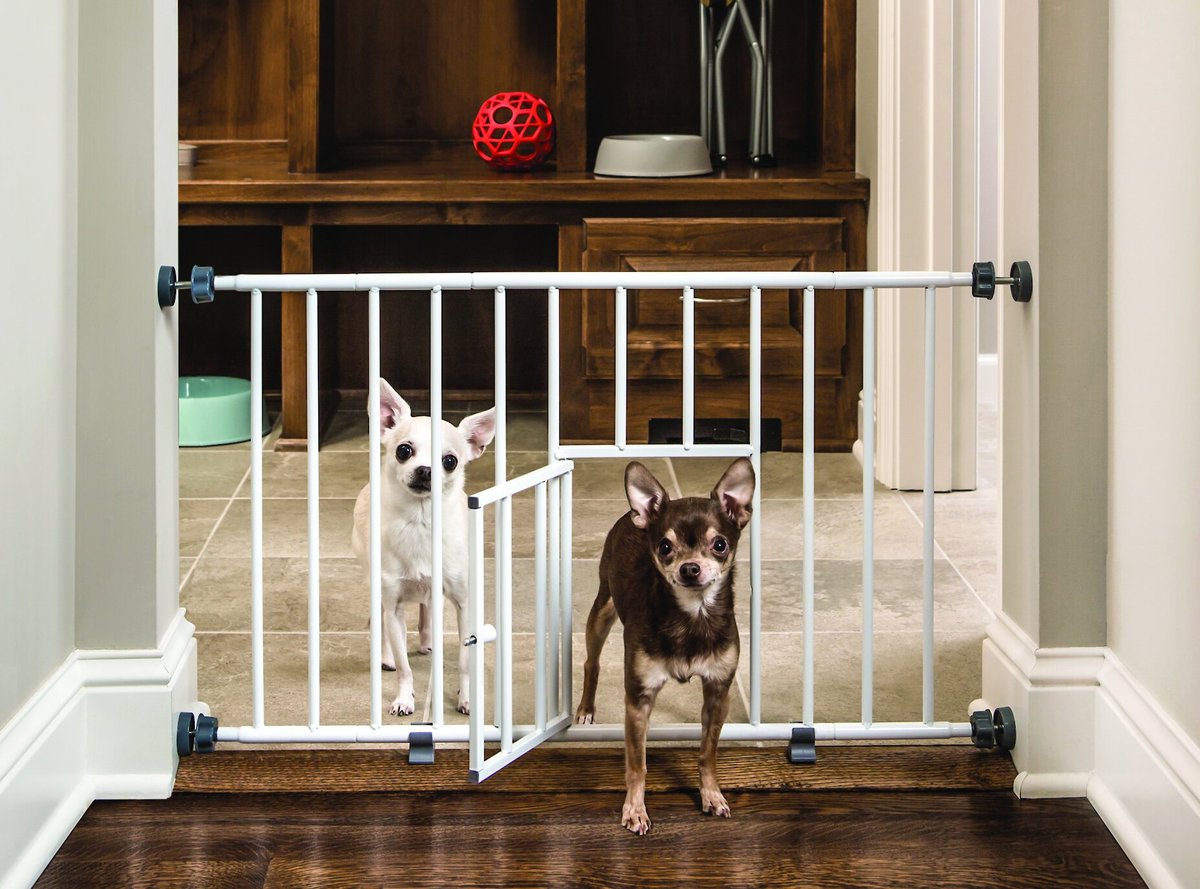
{"points": [[338, 132], [654, 344]]}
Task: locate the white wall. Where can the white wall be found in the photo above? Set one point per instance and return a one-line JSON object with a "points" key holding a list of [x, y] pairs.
{"points": [[1154, 372], [38, 100]]}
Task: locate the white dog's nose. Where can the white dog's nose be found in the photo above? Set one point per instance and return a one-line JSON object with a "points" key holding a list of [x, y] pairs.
{"points": [[419, 478]]}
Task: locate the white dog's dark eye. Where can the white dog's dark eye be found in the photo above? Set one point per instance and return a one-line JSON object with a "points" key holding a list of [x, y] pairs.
{"points": [[449, 462], [664, 548], [720, 545], [404, 452]]}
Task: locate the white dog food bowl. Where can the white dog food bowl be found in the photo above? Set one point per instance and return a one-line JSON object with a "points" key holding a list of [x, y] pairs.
{"points": [[653, 155]]}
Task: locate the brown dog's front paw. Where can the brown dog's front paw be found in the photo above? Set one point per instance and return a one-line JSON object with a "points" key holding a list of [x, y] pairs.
{"points": [[712, 802], [584, 717], [635, 819]]}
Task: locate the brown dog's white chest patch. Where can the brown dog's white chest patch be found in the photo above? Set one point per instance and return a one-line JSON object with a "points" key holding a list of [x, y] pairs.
{"points": [[654, 672]]}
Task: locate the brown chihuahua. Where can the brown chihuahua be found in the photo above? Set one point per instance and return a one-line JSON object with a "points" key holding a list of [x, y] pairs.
{"points": [[667, 573]]}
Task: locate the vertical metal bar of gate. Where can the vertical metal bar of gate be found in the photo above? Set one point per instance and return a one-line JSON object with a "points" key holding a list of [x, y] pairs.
{"points": [[539, 592], [868, 492], [620, 375], [565, 591], [756, 590], [500, 445], [809, 431], [689, 367], [475, 535], [554, 492], [376, 559], [314, 514], [436, 603], [256, 509], [504, 625], [927, 622]]}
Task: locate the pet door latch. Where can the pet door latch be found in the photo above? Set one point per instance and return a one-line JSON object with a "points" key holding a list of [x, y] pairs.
{"points": [[488, 635]]}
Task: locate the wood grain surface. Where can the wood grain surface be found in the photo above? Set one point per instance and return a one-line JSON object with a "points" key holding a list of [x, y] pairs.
{"points": [[775, 838], [571, 768]]}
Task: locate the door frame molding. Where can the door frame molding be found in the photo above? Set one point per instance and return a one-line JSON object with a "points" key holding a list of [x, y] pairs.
{"points": [[926, 202]]}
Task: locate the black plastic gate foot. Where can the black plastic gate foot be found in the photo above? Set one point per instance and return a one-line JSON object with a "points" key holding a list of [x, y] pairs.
{"points": [[997, 729], [803, 746], [420, 747], [195, 733]]}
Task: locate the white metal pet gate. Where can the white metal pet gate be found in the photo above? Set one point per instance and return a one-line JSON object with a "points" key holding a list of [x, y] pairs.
{"points": [[553, 512]]}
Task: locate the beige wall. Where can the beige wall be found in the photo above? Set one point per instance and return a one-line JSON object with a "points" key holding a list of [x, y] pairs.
{"points": [[37, 343], [1072, 278], [1154, 372], [127, 540], [88, 521]]}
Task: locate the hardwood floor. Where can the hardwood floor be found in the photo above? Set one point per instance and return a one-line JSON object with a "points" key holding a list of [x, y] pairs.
{"points": [[518, 832]]}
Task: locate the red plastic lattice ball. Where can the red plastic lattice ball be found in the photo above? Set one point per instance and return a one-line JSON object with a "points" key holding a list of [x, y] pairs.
{"points": [[513, 131]]}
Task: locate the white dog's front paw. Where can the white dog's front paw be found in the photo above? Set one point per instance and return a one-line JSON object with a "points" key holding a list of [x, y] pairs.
{"points": [[403, 705], [464, 705], [390, 666]]}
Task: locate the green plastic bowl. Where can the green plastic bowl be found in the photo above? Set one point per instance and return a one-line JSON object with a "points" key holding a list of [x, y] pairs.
{"points": [[215, 411]]}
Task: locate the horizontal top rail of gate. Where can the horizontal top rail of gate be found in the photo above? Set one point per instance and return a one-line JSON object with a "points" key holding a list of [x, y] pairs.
{"points": [[580, 280]]}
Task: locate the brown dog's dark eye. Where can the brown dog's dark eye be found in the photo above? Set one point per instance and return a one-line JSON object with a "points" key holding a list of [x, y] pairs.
{"points": [[664, 548], [449, 462], [720, 546], [404, 452]]}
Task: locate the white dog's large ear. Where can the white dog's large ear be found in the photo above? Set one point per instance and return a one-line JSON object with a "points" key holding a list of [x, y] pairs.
{"points": [[646, 496], [392, 408], [478, 430], [735, 490]]}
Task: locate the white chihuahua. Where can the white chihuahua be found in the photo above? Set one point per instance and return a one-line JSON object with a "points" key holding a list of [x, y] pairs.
{"points": [[406, 530]]}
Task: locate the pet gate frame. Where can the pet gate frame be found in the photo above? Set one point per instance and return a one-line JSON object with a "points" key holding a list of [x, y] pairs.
{"points": [[553, 508]]}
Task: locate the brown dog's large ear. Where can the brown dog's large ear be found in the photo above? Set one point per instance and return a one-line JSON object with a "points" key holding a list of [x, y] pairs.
{"points": [[646, 495], [478, 430], [735, 490], [392, 408]]}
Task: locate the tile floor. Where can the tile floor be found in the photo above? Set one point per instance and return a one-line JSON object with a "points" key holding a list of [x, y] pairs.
{"points": [[215, 583]]}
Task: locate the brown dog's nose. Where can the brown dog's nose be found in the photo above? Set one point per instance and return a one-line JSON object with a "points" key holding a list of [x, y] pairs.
{"points": [[689, 571]]}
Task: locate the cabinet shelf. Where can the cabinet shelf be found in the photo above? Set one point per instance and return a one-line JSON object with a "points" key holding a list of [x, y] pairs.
{"points": [[428, 173]]}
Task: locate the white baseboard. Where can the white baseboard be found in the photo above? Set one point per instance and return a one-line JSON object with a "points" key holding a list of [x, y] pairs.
{"points": [[1052, 693], [1146, 782], [101, 727], [1086, 728]]}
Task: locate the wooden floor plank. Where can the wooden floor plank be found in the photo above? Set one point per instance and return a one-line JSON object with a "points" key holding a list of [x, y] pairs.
{"points": [[558, 769], [454, 839]]}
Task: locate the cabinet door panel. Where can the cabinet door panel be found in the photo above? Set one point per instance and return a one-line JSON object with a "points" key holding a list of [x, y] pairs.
{"points": [[655, 318]]}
